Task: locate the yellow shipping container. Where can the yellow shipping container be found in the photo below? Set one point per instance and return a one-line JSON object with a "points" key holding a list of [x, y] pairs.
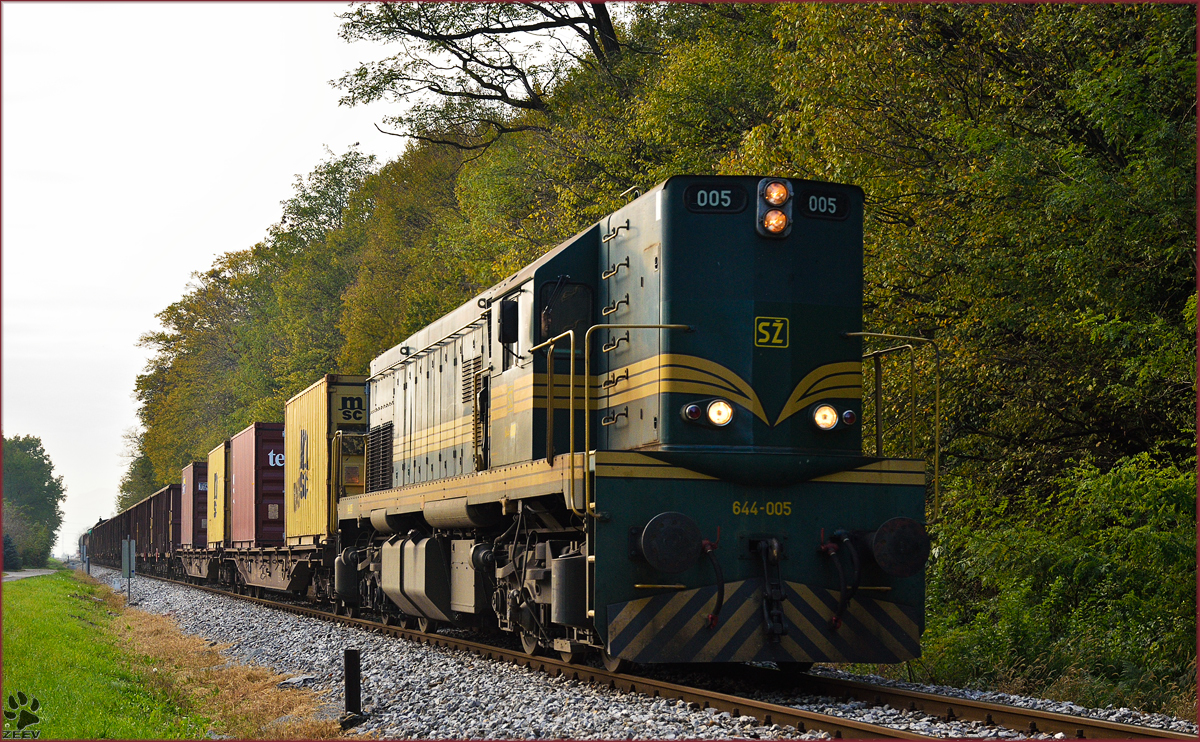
{"points": [[218, 499], [312, 486]]}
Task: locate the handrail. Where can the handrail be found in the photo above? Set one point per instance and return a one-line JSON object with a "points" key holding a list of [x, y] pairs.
{"points": [[588, 504], [876, 355], [413, 354], [570, 409], [937, 404]]}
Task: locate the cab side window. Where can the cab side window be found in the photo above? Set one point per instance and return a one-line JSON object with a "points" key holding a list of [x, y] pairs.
{"points": [[564, 306]]}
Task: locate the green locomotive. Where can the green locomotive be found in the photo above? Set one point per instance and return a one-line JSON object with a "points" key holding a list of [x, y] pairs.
{"points": [[649, 443]]}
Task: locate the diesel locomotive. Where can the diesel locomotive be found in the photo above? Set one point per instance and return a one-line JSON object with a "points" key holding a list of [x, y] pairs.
{"points": [[648, 443]]}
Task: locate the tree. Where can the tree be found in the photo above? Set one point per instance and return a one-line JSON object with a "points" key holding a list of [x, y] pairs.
{"points": [[12, 559], [138, 481], [33, 498], [317, 245], [485, 60], [29, 481], [409, 269], [1030, 174]]}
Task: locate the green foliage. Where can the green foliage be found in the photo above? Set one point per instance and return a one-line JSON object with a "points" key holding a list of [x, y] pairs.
{"points": [[406, 274], [12, 558], [1031, 204], [259, 326], [138, 481], [1030, 182], [33, 498], [1100, 582]]}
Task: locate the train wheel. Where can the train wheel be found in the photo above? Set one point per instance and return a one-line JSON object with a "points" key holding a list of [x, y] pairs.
{"points": [[405, 621], [426, 625], [572, 658], [614, 664], [529, 644]]}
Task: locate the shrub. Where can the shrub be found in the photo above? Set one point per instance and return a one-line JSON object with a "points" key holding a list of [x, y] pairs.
{"points": [[1097, 585]]}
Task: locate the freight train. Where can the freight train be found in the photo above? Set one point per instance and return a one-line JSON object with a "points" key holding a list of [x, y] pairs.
{"points": [[647, 444]]}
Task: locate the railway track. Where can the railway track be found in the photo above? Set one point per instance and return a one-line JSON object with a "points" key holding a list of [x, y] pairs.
{"points": [[947, 708]]}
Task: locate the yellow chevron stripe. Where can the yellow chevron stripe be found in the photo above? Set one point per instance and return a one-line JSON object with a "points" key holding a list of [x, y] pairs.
{"points": [[813, 633], [637, 472], [806, 392], [873, 626], [793, 648], [888, 471], [650, 631], [623, 464], [904, 621], [728, 626]]}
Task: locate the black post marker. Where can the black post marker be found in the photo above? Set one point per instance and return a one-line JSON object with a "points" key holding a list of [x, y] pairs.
{"points": [[353, 682]]}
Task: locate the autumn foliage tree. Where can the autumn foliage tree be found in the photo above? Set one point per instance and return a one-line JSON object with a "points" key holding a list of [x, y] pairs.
{"points": [[1030, 180]]}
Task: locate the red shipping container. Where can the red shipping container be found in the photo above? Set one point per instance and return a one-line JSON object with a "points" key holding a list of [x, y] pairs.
{"points": [[256, 486], [193, 501]]}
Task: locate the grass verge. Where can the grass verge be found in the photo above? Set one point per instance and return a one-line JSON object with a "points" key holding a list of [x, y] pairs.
{"points": [[244, 699], [101, 670], [57, 650]]}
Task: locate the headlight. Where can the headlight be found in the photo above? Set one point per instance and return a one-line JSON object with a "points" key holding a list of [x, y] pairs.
{"points": [[775, 193], [825, 417], [720, 412], [774, 212], [775, 221]]}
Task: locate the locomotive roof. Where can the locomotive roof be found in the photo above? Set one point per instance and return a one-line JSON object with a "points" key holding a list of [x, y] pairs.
{"points": [[471, 310]]}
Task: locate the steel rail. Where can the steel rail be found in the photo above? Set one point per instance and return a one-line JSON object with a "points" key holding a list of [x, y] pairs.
{"points": [[767, 713], [946, 708], [949, 708]]}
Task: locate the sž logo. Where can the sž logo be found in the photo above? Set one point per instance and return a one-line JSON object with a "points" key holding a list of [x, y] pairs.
{"points": [[352, 409], [771, 332]]}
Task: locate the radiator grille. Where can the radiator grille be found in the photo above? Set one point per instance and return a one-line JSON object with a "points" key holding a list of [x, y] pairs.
{"points": [[470, 367], [379, 458]]}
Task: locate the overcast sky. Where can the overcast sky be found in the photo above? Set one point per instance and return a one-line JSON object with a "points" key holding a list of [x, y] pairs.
{"points": [[140, 141]]}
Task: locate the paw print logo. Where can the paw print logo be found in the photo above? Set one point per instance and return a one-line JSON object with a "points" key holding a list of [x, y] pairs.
{"points": [[21, 708]]}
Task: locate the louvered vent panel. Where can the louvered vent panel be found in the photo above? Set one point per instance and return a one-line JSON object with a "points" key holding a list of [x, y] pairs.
{"points": [[470, 367], [379, 458]]}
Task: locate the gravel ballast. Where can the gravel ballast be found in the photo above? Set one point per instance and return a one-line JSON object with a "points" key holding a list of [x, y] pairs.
{"points": [[411, 690]]}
